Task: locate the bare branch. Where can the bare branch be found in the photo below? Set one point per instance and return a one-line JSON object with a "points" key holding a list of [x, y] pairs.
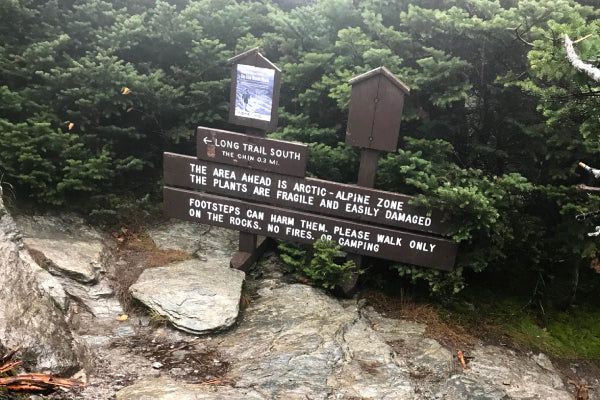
{"points": [[588, 69], [520, 37], [587, 189]]}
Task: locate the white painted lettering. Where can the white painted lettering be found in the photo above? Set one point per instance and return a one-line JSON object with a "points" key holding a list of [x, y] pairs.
{"points": [[388, 239], [295, 197], [310, 189], [198, 179], [352, 233], [255, 214], [329, 204], [224, 173], [282, 219], [390, 204], [285, 154], [312, 225], [299, 233], [197, 169]]}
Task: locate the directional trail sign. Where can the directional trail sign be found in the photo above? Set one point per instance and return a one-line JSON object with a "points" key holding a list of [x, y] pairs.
{"points": [[251, 151]]}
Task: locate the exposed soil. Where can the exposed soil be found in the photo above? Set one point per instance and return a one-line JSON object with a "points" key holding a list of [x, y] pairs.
{"points": [[453, 337], [184, 360], [189, 361], [136, 252]]}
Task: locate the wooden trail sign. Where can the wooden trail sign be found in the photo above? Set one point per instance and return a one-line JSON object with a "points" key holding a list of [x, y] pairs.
{"points": [[261, 174], [298, 226], [251, 151], [310, 194]]}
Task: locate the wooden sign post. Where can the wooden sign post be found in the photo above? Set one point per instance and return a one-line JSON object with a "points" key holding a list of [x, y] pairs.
{"points": [[254, 103], [374, 116]]}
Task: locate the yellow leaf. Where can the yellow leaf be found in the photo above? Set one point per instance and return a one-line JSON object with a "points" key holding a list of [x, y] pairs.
{"points": [[71, 125], [129, 109], [123, 317], [125, 90], [375, 326]]}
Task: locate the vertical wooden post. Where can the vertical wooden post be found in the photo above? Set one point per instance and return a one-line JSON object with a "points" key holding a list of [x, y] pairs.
{"points": [[251, 246], [368, 167], [374, 117], [366, 178]]}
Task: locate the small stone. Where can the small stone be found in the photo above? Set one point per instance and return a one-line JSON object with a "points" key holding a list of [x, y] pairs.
{"points": [[157, 365]]}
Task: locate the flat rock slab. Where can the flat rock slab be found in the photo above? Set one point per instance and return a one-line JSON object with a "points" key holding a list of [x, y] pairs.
{"points": [[202, 240], [521, 377], [194, 295], [295, 341], [56, 226], [74, 259]]}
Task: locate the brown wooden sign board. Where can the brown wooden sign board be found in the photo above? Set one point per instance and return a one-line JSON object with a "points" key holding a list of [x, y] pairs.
{"points": [[254, 96], [251, 151], [375, 112], [310, 194], [306, 228]]}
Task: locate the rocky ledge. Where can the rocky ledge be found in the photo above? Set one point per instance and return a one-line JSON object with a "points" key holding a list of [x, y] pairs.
{"points": [[289, 341]]}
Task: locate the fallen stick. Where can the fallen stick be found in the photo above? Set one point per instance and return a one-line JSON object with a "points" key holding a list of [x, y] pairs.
{"points": [[38, 382], [192, 343], [31, 382], [11, 353], [216, 381], [8, 366]]}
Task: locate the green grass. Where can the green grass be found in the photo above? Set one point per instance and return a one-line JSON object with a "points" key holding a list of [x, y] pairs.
{"points": [[570, 334]]}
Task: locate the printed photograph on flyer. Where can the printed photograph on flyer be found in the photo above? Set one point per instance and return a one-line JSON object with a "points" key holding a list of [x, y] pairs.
{"points": [[254, 92]]}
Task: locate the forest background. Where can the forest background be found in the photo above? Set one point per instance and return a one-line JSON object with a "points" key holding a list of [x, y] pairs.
{"points": [[93, 92]]}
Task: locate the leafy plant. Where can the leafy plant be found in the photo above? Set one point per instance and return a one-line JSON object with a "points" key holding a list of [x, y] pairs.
{"points": [[322, 265]]}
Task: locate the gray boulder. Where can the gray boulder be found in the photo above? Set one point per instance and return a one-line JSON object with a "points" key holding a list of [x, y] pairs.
{"points": [[195, 296], [29, 315]]}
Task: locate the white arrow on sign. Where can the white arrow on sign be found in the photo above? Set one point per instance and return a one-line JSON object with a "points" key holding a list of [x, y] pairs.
{"points": [[206, 140]]}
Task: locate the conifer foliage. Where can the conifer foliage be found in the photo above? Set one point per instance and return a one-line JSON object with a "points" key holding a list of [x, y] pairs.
{"points": [[93, 91]]}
